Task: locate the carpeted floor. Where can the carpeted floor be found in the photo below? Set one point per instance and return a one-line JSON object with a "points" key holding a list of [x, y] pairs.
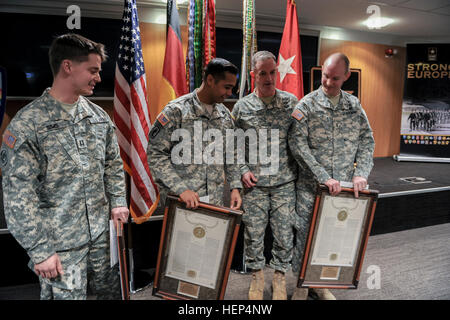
{"points": [[414, 264]]}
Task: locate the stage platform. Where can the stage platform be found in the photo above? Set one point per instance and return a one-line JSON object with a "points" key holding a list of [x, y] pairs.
{"points": [[411, 194], [389, 177]]}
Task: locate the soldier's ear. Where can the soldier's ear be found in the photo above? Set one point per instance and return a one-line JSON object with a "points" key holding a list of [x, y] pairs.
{"points": [[210, 80], [66, 66], [347, 75]]}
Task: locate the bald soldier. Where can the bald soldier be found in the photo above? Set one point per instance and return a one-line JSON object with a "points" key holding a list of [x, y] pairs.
{"points": [[330, 134]]}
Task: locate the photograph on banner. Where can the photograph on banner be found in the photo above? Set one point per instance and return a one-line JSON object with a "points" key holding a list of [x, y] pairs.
{"points": [[425, 123]]}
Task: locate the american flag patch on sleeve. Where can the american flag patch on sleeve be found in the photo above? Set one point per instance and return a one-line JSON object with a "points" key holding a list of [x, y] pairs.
{"points": [[162, 118], [9, 139], [297, 114]]}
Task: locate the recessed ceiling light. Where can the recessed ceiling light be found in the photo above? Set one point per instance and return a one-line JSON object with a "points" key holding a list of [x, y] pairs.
{"points": [[378, 23]]}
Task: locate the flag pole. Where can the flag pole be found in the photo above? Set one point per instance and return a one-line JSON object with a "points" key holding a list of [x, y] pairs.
{"points": [[129, 236]]}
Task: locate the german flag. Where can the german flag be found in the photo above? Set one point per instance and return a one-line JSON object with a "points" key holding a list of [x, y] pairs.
{"points": [[174, 72]]}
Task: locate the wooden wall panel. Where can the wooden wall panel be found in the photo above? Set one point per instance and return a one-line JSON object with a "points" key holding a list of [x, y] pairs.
{"points": [[382, 88], [381, 92]]}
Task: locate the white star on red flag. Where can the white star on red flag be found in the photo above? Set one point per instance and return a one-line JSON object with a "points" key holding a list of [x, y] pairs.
{"points": [[284, 67]]}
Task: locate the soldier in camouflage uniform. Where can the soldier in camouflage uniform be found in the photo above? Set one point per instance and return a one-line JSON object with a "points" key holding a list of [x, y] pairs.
{"points": [[331, 132], [268, 193], [180, 153], [63, 175]]}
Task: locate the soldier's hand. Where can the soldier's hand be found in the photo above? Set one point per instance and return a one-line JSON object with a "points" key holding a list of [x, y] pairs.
{"points": [[49, 268], [191, 199], [120, 213], [359, 183], [236, 199], [249, 179], [334, 187]]}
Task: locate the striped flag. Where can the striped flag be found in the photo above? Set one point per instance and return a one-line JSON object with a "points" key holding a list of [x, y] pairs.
{"points": [[209, 30], [198, 41], [248, 47], [190, 58], [174, 74], [131, 116]]}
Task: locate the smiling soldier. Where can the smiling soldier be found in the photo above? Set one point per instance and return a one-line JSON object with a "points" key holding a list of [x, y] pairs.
{"points": [[62, 173]]}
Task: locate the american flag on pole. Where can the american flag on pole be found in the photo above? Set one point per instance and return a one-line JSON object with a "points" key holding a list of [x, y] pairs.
{"points": [[131, 116]]}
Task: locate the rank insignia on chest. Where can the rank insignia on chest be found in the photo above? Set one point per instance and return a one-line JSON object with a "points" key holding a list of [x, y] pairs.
{"points": [[297, 114], [9, 139], [81, 143], [52, 126], [163, 119]]}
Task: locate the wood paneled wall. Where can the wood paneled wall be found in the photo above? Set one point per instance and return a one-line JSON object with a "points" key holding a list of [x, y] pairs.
{"points": [[381, 92], [382, 88]]}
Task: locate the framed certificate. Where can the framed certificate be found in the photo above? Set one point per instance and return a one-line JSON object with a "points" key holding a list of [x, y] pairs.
{"points": [[337, 239], [196, 251]]}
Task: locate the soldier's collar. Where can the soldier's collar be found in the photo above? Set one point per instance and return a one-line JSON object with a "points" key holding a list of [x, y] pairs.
{"points": [[83, 110], [199, 110], [54, 108], [343, 104], [345, 101], [275, 103]]}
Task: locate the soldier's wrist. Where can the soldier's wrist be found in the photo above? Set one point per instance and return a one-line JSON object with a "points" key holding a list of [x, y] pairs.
{"points": [[40, 254], [118, 202]]}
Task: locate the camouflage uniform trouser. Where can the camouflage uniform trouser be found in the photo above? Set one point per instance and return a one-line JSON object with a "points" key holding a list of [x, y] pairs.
{"points": [[306, 192], [88, 264], [259, 203]]}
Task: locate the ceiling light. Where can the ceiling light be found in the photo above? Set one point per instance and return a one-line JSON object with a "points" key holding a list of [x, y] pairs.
{"points": [[378, 22]]}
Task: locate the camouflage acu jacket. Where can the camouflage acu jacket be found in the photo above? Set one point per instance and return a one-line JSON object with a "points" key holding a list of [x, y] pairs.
{"points": [[61, 175], [327, 140], [187, 149], [251, 114]]}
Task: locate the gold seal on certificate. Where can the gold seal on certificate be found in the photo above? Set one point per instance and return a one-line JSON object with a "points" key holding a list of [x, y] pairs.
{"points": [[191, 274], [342, 215], [333, 256], [199, 232]]}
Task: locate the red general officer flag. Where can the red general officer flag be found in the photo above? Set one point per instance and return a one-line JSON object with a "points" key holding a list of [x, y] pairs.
{"points": [[290, 74], [174, 70]]}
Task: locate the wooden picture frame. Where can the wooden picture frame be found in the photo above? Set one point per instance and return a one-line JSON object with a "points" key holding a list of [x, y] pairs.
{"points": [[196, 251], [337, 239], [352, 85]]}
